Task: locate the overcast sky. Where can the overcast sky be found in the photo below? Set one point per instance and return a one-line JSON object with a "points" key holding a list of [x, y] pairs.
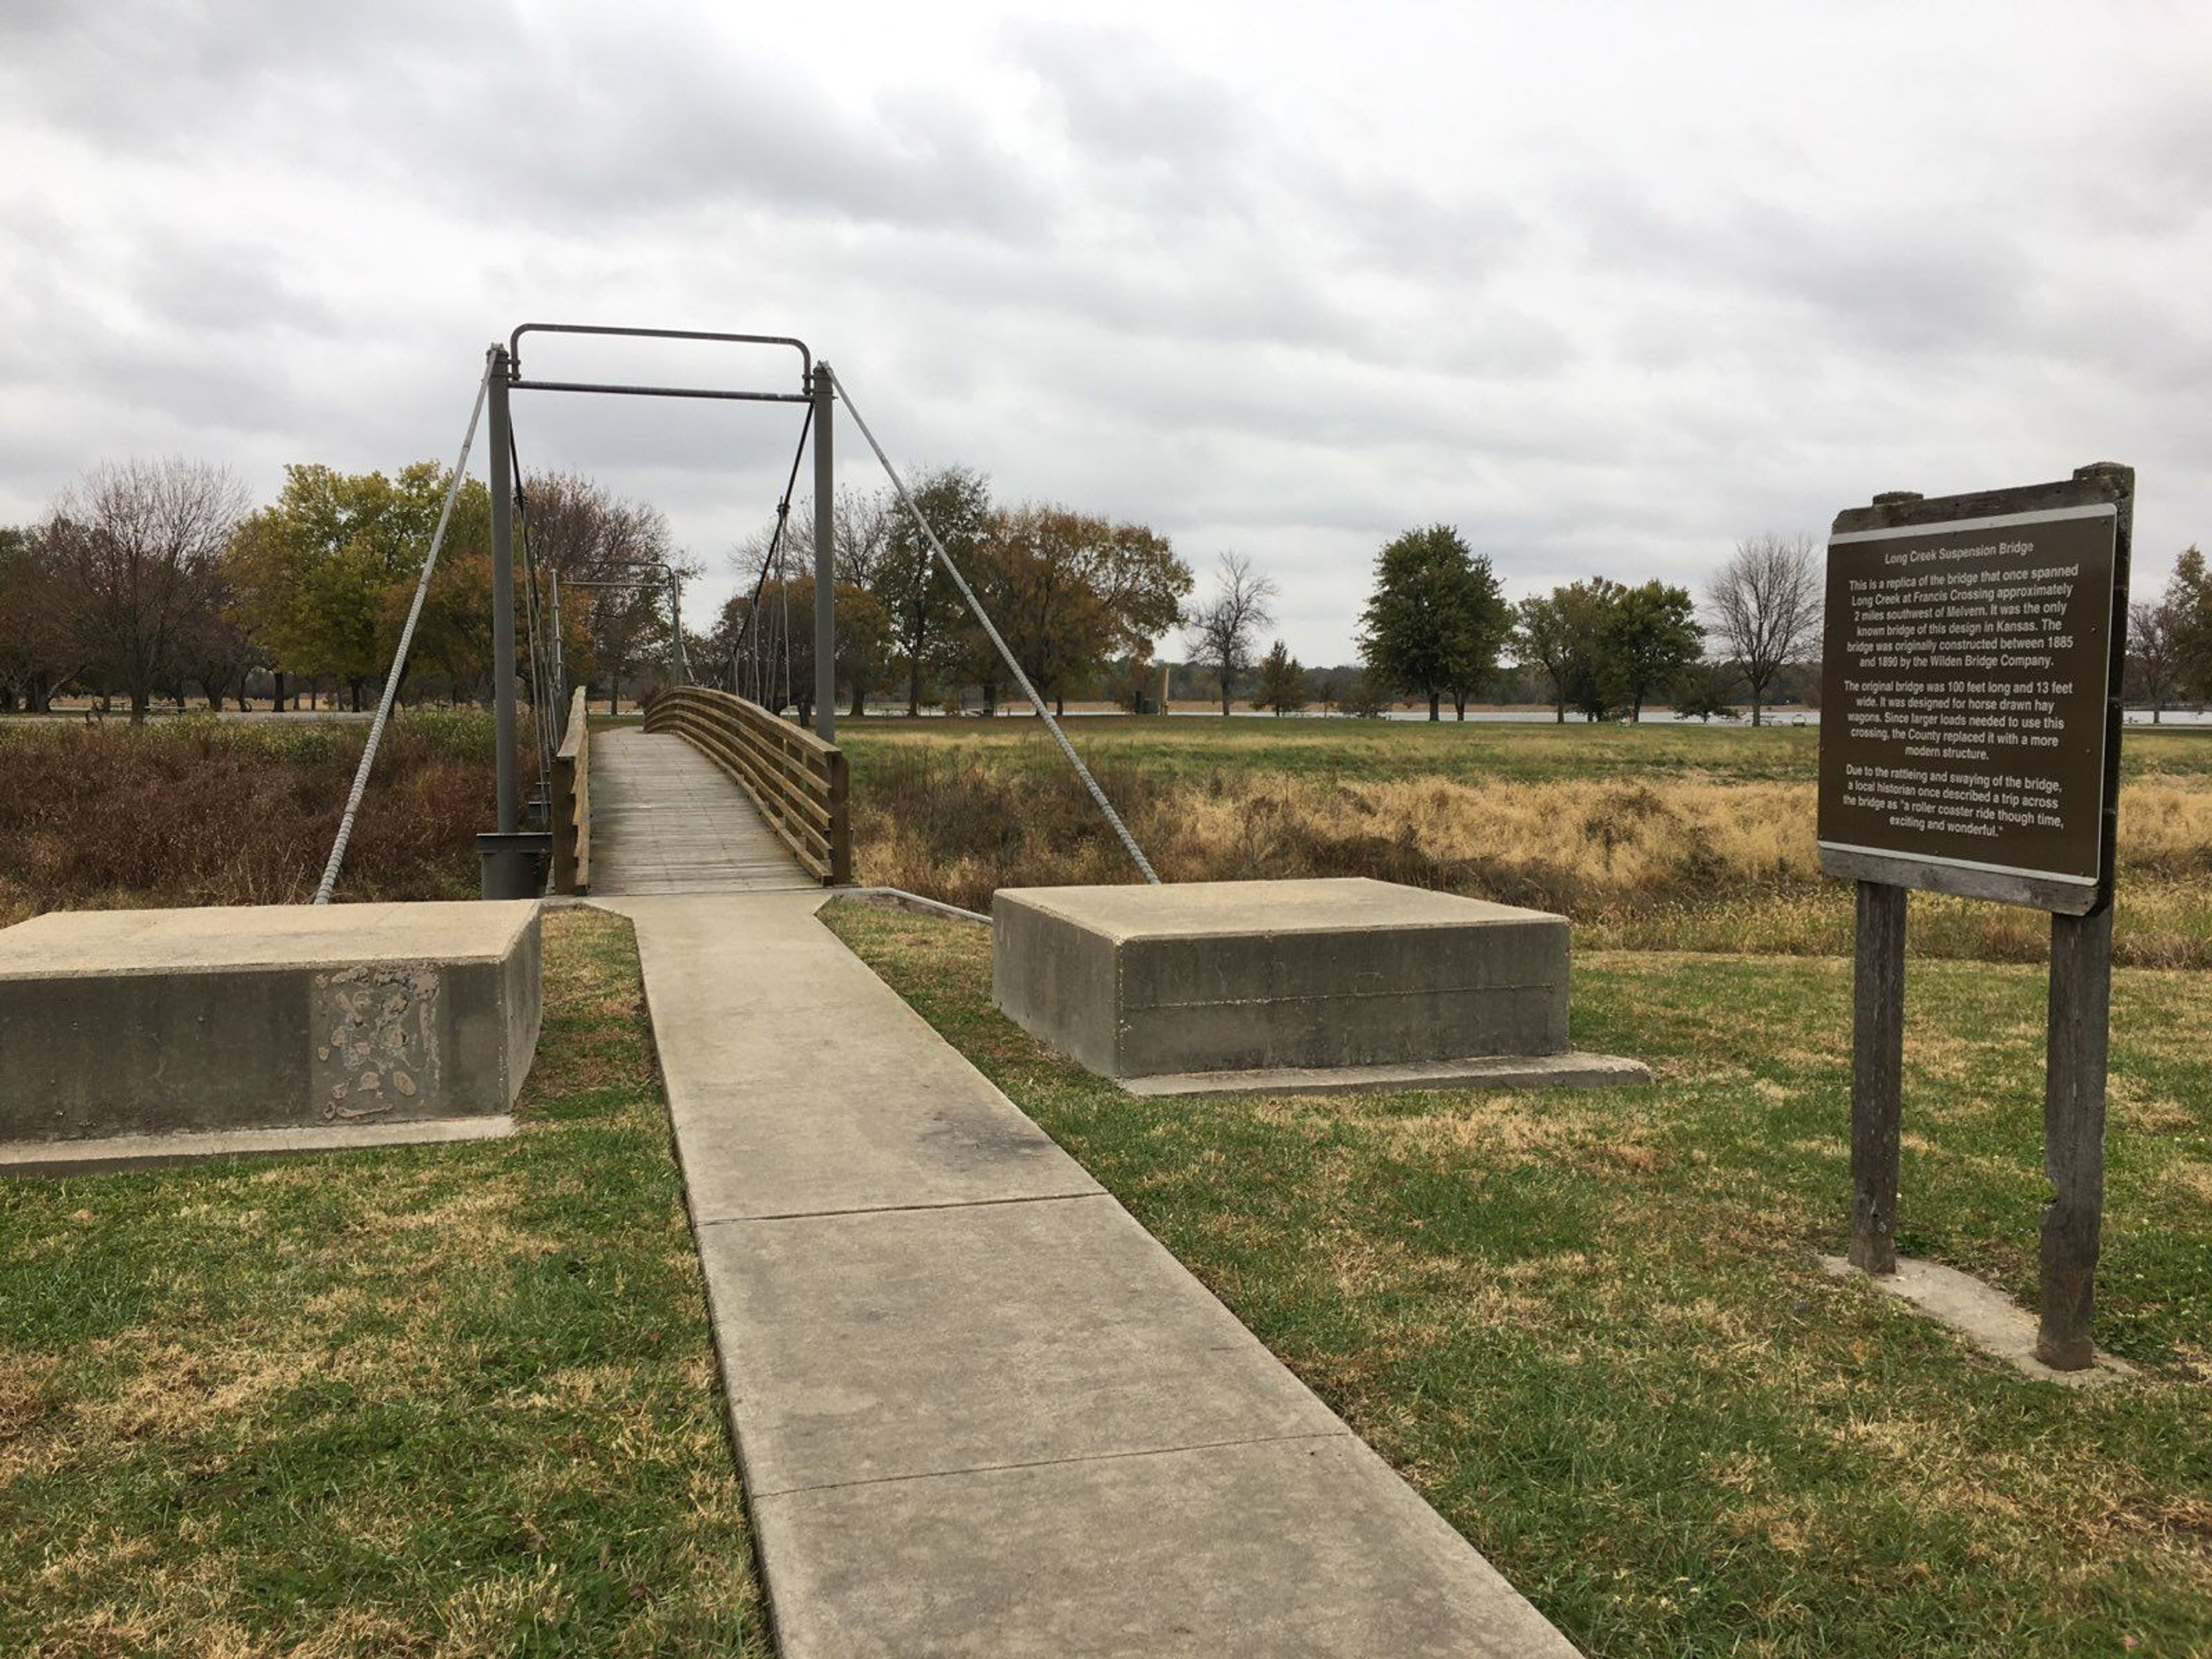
{"points": [[1606, 286]]}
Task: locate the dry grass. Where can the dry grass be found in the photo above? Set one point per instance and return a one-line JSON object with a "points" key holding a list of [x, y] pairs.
{"points": [[1697, 863], [201, 811]]}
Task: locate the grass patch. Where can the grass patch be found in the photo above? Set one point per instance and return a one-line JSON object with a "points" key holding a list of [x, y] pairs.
{"points": [[1591, 1329], [1666, 838], [441, 1400], [1383, 750]]}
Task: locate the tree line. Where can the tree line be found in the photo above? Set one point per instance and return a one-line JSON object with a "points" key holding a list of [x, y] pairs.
{"points": [[154, 579], [1079, 599], [1437, 627]]}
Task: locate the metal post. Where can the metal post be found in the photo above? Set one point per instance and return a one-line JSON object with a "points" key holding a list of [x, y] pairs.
{"points": [[502, 590], [679, 669], [2074, 1133], [825, 561], [1877, 1064]]}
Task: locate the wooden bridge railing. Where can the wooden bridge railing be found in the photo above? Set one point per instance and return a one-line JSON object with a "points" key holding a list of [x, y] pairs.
{"points": [[572, 802], [796, 780]]}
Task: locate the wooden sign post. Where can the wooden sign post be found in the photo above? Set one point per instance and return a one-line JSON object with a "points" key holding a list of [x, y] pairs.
{"points": [[1970, 743]]}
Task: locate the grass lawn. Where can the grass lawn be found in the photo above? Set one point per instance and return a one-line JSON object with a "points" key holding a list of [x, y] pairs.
{"points": [[1590, 1327], [452, 1401], [1383, 750]]}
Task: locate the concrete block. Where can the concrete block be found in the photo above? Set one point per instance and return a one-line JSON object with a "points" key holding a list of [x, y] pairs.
{"points": [[142, 1022], [1201, 977]]}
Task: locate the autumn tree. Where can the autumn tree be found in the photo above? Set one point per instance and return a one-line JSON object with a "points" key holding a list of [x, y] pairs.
{"points": [[611, 556], [130, 547], [1068, 591], [862, 521], [1221, 632], [1766, 604], [862, 627], [37, 653]]}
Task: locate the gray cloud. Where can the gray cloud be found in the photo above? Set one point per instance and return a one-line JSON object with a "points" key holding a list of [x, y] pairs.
{"points": [[1606, 292]]}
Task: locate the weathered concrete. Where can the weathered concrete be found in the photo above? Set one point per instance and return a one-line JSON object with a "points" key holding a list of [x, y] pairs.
{"points": [[1206, 976], [1981, 1313], [665, 819], [979, 1409], [799, 1083], [907, 1342], [109, 1153], [1572, 1070], [1270, 1549], [139, 1022]]}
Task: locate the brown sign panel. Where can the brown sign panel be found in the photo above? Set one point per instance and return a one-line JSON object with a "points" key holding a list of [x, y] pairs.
{"points": [[1963, 704]]}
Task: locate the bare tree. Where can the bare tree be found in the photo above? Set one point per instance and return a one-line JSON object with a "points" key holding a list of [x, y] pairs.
{"points": [[2154, 651], [611, 555], [1765, 603], [134, 547], [1221, 631]]}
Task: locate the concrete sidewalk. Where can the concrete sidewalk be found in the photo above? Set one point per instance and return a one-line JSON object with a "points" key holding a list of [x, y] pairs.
{"points": [[979, 1409]]}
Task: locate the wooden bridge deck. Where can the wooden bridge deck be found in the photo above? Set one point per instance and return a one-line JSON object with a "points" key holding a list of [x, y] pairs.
{"points": [[665, 819]]}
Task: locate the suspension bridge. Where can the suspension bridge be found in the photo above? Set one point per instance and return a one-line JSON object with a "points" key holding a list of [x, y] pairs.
{"points": [[978, 1408]]}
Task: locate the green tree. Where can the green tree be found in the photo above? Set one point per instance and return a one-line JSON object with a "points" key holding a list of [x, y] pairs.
{"points": [[1706, 691], [2189, 595], [1436, 622], [1281, 687], [314, 574], [1562, 637], [916, 595], [1366, 700], [1649, 640]]}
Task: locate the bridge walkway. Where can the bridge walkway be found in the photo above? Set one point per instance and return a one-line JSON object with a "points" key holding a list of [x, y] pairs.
{"points": [[665, 819], [979, 1409]]}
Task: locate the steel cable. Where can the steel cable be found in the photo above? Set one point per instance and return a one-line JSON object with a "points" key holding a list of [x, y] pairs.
{"points": [[1128, 840], [399, 656]]}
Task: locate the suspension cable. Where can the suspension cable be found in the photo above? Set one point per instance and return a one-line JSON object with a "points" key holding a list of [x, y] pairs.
{"points": [[541, 715], [772, 558], [1128, 840], [399, 656]]}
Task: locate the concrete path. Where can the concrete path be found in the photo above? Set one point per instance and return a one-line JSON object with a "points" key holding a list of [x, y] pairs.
{"points": [[665, 819], [979, 1409]]}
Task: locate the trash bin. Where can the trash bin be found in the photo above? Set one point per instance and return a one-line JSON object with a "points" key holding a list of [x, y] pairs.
{"points": [[513, 867]]}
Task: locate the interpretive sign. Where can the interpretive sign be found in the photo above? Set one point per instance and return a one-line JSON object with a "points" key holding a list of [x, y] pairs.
{"points": [[1965, 692], [1970, 743]]}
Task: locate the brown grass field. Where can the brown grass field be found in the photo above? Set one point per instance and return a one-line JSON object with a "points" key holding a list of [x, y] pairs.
{"points": [[1666, 838]]}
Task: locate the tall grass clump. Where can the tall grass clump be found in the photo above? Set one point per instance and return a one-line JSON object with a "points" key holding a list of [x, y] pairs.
{"points": [[196, 810], [1663, 864]]}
